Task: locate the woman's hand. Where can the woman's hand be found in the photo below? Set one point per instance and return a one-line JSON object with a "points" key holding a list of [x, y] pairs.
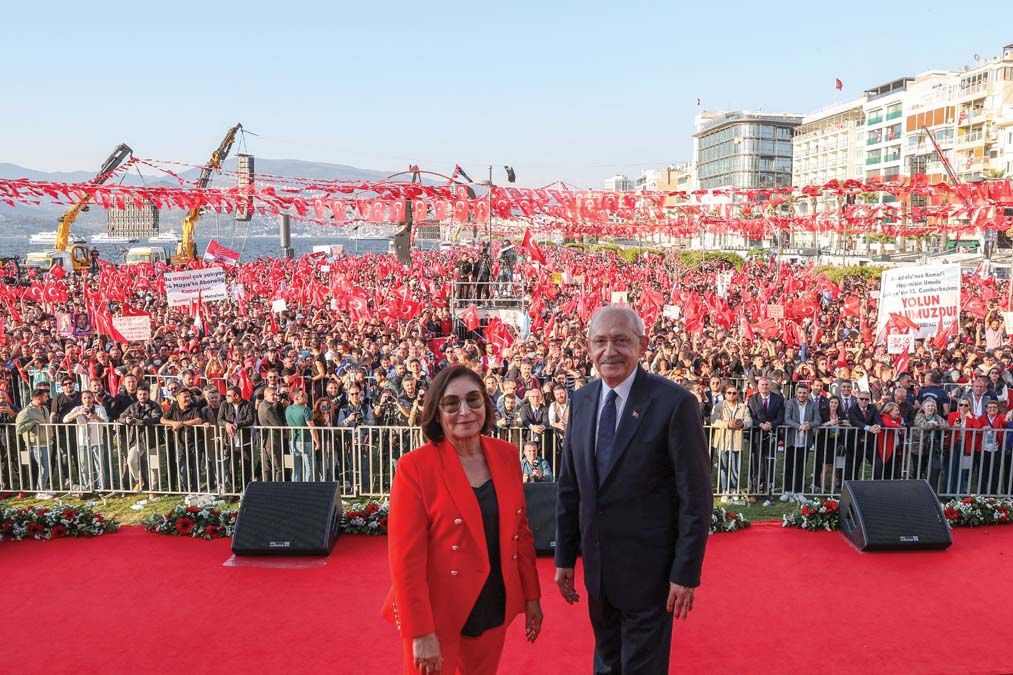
{"points": [[426, 652], [532, 620]]}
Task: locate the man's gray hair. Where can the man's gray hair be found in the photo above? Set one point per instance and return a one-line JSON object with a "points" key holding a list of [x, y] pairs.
{"points": [[632, 318]]}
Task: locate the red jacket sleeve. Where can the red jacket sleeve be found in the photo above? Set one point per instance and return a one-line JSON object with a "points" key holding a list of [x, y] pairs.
{"points": [[408, 549], [526, 565]]}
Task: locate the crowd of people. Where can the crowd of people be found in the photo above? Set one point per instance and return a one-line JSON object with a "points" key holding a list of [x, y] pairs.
{"points": [[361, 338]]}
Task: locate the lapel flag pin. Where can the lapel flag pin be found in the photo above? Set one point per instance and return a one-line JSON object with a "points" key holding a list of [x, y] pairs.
{"points": [[636, 414]]}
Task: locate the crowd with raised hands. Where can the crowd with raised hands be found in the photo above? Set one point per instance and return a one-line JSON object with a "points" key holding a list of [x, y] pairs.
{"points": [[360, 338]]}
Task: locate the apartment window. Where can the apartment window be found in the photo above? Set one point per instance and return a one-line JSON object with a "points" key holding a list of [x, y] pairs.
{"points": [[893, 132], [874, 136], [892, 154], [893, 111], [875, 117], [873, 156]]}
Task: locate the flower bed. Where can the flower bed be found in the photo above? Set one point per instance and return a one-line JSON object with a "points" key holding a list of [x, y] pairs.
{"points": [[53, 522], [974, 511], [365, 518], [200, 522], [814, 515], [723, 520]]}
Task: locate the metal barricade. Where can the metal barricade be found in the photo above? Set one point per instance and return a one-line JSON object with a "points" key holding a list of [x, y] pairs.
{"points": [[91, 456]]}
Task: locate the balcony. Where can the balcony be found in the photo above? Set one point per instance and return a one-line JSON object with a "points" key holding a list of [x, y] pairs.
{"points": [[871, 160], [873, 140], [974, 137], [895, 157], [894, 115], [873, 120]]}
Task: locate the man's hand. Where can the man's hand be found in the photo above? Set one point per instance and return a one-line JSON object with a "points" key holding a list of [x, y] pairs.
{"points": [[564, 579], [680, 600]]}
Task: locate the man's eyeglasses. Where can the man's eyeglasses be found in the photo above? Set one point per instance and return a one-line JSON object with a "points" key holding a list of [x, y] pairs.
{"points": [[731, 392], [621, 342], [451, 404]]}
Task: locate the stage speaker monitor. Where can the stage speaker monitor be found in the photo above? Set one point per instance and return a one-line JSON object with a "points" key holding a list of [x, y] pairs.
{"points": [[288, 519], [897, 515], [540, 499]]}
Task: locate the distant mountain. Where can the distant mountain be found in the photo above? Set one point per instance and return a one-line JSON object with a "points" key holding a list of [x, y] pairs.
{"points": [[28, 218]]}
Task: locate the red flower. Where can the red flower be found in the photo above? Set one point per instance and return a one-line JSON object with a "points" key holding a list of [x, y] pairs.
{"points": [[830, 505], [100, 518], [40, 512], [192, 509], [951, 513], [967, 500], [215, 512], [372, 507], [806, 511], [212, 530], [383, 523], [59, 531], [184, 526], [69, 514], [233, 514], [8, 526], [732, 515], [35, 528]]}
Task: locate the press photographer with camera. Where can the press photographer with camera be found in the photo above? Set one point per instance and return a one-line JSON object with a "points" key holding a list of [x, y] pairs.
{"points": [[388, 410]]}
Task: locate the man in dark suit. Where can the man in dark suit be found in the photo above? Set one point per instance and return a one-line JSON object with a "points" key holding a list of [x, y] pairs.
{"points": [[864, 418], [635, 497], [766, 408]]}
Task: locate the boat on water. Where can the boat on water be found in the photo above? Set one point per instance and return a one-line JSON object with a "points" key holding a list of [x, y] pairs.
{"points": [[49, 238], [172, 236], [106, 238], [370, 231]]}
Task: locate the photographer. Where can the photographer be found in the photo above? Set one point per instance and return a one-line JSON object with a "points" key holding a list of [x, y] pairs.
{"points": [[356, 413], [415, 413], [388, 410], [89, 417]]}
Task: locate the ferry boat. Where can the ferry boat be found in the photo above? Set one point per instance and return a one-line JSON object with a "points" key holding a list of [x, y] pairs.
{"points": [[172, 236], [49, 238], [106, 238]]}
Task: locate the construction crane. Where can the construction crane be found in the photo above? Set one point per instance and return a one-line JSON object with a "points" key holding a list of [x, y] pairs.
{"points": [[78, 258], [186, 250]]}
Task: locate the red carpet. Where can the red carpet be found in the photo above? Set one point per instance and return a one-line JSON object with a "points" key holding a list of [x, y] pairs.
{"points": [[772, 601]]}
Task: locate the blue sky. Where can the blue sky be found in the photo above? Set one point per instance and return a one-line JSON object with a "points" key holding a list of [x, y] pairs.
{"points": [[573, 91]]}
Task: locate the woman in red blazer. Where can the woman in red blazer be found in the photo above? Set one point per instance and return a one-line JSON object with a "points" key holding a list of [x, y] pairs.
{"points": [[963, 441], [455, 588]]}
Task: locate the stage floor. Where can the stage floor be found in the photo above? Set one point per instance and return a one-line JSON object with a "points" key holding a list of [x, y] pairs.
{"points": [[772, 601]]}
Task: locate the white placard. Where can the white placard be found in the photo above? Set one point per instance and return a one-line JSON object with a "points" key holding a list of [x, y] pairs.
{"points": [[722, 281], [133, 328], [1007, 318], [279, 305], [620, 298], [182, 288], [924, 294], [238, 292], [775, 311], [671, 311], [898, 344]]}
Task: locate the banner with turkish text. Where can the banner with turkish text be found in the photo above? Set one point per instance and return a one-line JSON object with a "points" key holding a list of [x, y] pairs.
{"points": [[928, 295]]}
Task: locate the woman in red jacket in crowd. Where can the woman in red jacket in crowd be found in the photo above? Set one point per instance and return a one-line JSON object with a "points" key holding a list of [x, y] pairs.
{"points": [[962, 443], [889, 443], [990, 449], [462, 558]]}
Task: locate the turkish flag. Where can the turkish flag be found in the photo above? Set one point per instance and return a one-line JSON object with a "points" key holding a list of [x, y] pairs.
{"points": [[420, 211], [532, 250], [470, 317], [851, 307], [903, 322], [58, 272]]}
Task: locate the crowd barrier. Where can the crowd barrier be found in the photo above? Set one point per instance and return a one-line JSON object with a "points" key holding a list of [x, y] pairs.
{"points": [[747, 463]]}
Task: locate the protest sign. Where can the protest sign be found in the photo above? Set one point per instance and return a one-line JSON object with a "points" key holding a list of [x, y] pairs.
{"points": [[208, 284], [925, 294]]}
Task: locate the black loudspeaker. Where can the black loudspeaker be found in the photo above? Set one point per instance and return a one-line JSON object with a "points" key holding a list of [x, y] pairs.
{"points": [[540, 499], [288, 519], [884, 515]]}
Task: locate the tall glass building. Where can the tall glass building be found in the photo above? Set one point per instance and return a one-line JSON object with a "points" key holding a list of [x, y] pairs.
{"points": [[742, 149]]}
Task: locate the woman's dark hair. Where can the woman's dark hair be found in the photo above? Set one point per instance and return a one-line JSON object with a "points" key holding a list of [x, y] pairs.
{"points": [[430, 420]]}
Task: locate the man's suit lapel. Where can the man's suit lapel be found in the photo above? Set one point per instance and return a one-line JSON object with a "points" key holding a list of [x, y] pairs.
{"points": [[588, 464], [633, 412]]}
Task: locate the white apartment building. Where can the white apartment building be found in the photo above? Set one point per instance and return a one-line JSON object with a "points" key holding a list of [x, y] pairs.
{"points": [[618, 183], [983, 147]]}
